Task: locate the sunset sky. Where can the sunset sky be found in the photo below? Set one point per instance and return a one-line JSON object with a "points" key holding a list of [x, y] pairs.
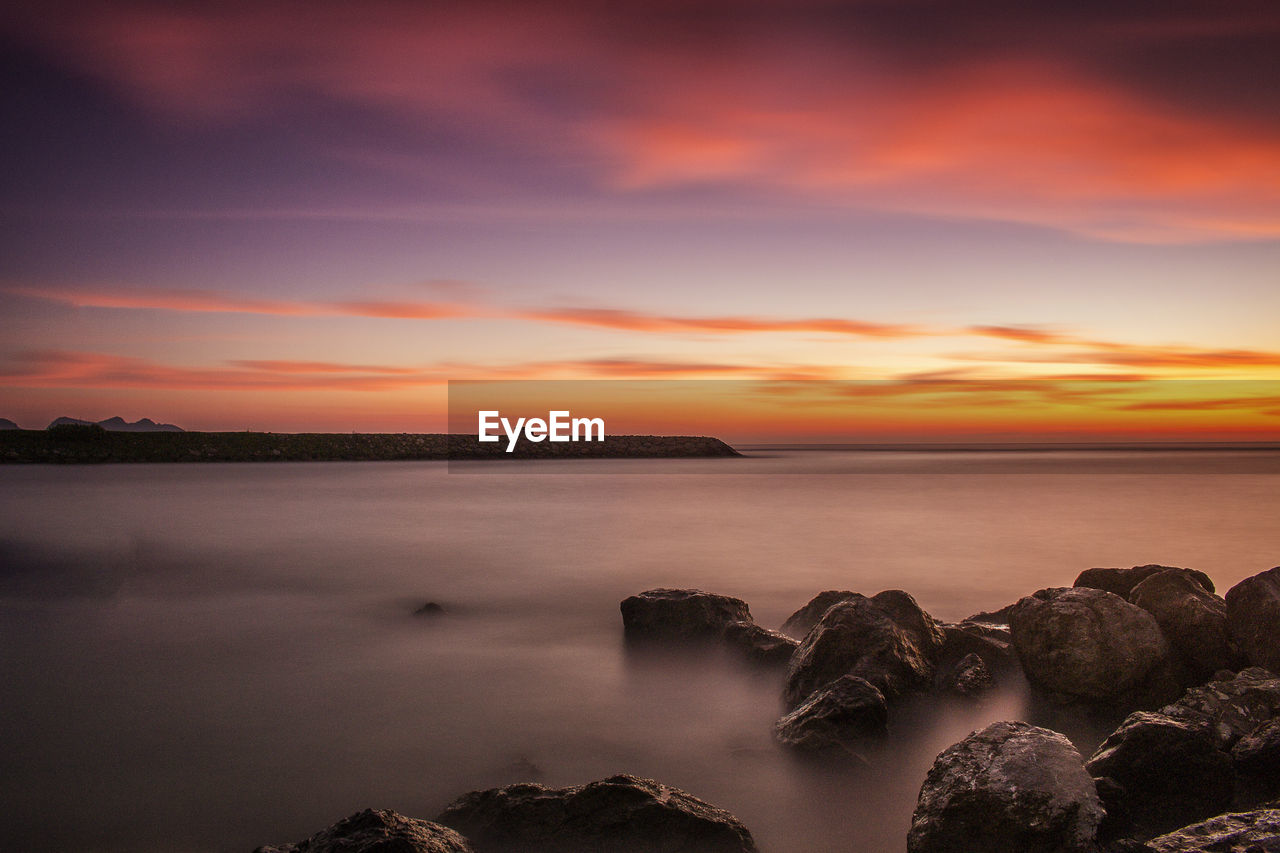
{"points": [[311, 215]]}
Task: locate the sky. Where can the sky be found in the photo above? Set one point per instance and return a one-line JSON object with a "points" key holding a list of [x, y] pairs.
{"points": [[311, 216]]}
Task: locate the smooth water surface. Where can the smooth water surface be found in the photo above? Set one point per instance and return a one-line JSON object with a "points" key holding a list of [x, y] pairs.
{"points": [[212, 657]]}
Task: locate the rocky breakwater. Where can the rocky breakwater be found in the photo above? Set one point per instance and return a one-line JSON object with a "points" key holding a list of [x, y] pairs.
{"points": [[848, 657], [1199, 775], [80, 443], [621, 814]]}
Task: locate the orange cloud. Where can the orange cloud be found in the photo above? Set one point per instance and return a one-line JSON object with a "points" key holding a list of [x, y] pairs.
{"points": [[1029, 124], [1004, 140]]}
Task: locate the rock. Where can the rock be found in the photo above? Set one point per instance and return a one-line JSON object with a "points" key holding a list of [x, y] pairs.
{"points": [[681, 615], [1122, 581], [1171, 772], [1241, 832], [887, 639], [378, 831], [992, 643], [836, 716], [1090, 646], [1193, 620], [993, 617], [1115, 802], [621, 813], [1253, 611], [759, 645], [1259, 751], [1010, 788], [968, 676], [802, 621], [431, 608], [1230, 706]]}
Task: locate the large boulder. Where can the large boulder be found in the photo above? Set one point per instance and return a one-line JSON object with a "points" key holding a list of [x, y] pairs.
{"points": [[758, 644], [886, 639], [1010, 788], [1242, 832], [681, 615], [802, 621], [1122, 581], [1193, 620], [1170, 772], [621, 814], [1253, 611], [1231, 706], [836, 717], [378, 831], [1088, 646]]}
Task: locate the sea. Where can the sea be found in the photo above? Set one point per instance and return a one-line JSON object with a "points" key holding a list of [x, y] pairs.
{"points": [[212, 657]]}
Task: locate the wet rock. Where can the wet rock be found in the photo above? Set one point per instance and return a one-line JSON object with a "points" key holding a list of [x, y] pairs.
{"points": [[1122, 581], [1115, 802], [1257, 761], [802, 621], [681, 615], [1170, 772], [992, 643], [758, 644], [1253, 611], [1010, 788], [431, 608], [1231, 706], [1193, 620], [1259, 751], [621, 813], [1241, 832], [1085, 645], [836, 716], [887, 639], [968, 676], [993, 617], [378, 831]]}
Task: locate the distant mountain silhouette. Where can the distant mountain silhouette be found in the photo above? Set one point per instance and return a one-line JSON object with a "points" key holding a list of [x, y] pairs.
{"points": [[5, 423], [119, 424]]}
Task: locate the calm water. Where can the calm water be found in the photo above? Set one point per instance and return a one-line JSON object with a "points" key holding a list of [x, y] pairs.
{"points": [[212, 657]]}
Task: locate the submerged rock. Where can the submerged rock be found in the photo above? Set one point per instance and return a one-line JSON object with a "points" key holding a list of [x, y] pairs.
{"points": [[836, 716], [378, 831], [1241, 832], [758, 644], [1010, 788], [1122, 581], [886, 639], [1193, 620], [968, 676], [431, 608], [625, 814], [1253, 611], [973, 657], [1170, 772], [801, 622], [1090, 646], [681, 615]]}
